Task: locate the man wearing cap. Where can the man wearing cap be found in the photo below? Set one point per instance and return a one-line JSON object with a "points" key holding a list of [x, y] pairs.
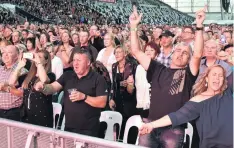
{"points": [[166, 48]]}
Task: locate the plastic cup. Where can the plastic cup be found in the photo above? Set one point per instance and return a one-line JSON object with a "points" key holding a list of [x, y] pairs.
{"points": [[71, 90]]}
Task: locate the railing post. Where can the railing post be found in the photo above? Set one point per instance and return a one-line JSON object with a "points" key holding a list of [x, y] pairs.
{"points": [[30, 137], [79, 144], [9, 137]]}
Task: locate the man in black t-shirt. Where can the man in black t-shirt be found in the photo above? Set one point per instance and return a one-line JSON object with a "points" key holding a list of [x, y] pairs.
{"points": [[82, 107], [170, 86]]}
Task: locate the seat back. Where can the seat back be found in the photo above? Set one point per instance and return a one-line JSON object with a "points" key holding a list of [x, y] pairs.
{"points": [[111, 118], [57, 109], [189, 132], [60, 97], [132, 121], [63, 123]]}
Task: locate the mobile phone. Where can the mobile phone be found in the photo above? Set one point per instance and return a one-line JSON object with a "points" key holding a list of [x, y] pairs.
{"points": [[223, 39], [28, 55]]}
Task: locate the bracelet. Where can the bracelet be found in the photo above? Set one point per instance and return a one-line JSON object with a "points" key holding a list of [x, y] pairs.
{"points": [[133, 29], [38, 63], [199, 28], [8, 89]]}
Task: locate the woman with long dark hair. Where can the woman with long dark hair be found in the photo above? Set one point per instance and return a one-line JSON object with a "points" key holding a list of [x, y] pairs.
{"points": [[37, 107], [65, 51], [31, 44]]}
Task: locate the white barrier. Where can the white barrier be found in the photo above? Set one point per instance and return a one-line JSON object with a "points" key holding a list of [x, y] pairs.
{"points": [[21, 135]]}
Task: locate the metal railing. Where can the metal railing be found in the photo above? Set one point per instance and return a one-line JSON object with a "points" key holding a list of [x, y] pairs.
{"points": [[21, 135]]}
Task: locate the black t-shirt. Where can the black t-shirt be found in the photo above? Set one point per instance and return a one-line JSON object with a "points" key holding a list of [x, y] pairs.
{"points": [[171, 88], [98, 43], [80, 115]]}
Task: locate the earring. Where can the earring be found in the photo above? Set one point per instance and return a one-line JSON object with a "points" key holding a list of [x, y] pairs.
{"points": [[206, 84]]}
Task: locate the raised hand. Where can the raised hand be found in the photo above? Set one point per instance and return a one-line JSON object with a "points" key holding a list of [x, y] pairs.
{"points": [[39, 86], [36, 58], [130, 80], [21, 64], [135, 18], [200, 16]]}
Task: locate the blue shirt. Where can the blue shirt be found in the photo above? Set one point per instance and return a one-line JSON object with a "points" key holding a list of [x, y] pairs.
{"points": [[225, 65]]}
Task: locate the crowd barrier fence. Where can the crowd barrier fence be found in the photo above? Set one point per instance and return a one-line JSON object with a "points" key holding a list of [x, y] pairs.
{"points": [[15, 134]]}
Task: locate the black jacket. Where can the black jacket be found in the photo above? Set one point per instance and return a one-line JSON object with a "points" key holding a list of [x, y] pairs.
{"points": [[126, 105]]}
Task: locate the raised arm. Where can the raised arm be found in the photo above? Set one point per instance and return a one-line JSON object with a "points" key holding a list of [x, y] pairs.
{"points": [[65, 56], [16, 73], [199, 43], [134, 20]]}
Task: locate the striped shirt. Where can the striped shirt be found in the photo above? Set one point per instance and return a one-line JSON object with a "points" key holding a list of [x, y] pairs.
{"points": [[165, 60]]}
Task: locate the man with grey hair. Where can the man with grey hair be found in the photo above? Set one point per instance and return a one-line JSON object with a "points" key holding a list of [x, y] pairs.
{"points": [[211, 49], [85, 93], [170, 86]]}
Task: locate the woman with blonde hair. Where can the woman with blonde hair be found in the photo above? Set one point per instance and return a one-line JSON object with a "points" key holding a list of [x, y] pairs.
{"points": [[106, 55], [37, 108], [211, 108], [123, 84]]}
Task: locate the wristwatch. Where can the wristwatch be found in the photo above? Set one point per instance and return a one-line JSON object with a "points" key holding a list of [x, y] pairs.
{"points": [[85, 97], [8, 89]]}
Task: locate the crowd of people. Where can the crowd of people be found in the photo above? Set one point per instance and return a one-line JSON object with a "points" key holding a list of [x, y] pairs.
{"points": [[169, 75], [6, 16], [63, 12]]}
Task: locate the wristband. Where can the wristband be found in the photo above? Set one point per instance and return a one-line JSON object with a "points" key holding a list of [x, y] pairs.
{"points": [[199, 28], [85, 98], [133, 29], [38, 63]]}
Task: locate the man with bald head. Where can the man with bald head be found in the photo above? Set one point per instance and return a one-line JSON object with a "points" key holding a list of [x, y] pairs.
{"points": [[10, 101], [210, 53]]}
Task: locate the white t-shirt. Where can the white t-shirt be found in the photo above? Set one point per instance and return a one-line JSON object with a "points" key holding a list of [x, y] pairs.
{"points": [[57, 66], [111, 60], [142, 88]]}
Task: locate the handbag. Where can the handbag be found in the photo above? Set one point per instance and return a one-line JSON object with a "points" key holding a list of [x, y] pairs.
{"points": [[25, 105]]}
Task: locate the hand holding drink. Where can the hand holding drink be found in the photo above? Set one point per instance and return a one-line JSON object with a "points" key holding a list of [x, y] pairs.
{"points": [[75, 95]]}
